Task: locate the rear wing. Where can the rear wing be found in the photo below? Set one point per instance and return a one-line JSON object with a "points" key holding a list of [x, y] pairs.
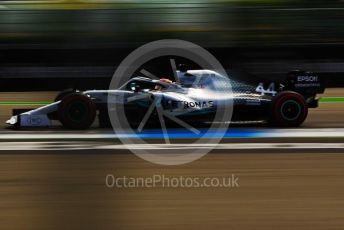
{"points": [[305, 83], [308, 84]]}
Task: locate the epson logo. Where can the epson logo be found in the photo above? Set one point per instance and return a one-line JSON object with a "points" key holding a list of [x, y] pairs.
{"points": [[307, 78]]}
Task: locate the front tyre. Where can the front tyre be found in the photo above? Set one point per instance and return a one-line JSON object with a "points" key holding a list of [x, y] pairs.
{"points": [[76, 111], [289, 109]]}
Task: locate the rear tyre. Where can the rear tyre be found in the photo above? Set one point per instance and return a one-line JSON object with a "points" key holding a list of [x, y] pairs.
{"points": [[289, 109], [76, 111]]}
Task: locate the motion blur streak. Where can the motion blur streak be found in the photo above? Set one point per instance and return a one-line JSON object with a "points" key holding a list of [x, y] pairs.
{"points": [[176, 134], [209, 23]]}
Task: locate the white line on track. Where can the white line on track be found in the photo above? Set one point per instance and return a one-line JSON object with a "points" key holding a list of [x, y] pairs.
{"points": [[67, 146], [230, 146]]}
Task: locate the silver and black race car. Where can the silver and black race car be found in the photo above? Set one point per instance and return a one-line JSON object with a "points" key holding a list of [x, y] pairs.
{"points": [[195, 97]]}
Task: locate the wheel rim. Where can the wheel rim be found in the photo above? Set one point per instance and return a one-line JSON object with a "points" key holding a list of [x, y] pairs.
{"points": [[290, 110], [76, 112]]}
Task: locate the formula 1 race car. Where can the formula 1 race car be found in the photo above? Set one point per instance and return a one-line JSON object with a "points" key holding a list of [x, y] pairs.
{"points": [[191, 98]]}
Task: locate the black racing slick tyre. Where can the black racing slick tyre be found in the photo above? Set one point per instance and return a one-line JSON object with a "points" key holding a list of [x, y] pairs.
{"points": [[76, 111], [289, 109]]}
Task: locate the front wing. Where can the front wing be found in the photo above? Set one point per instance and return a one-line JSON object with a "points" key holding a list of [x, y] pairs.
{"points": [[34, 118]]}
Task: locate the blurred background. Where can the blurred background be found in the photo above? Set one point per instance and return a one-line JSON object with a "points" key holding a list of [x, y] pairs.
{"points": [[130, 23], [51, 183], [79, 43]]}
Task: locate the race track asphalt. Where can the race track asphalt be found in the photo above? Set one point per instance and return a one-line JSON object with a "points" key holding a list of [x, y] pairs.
{"points": [[284, 182]]}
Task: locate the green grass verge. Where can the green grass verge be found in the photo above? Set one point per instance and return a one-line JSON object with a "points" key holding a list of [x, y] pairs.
{"points": [[332, 99], [25, 102]]}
